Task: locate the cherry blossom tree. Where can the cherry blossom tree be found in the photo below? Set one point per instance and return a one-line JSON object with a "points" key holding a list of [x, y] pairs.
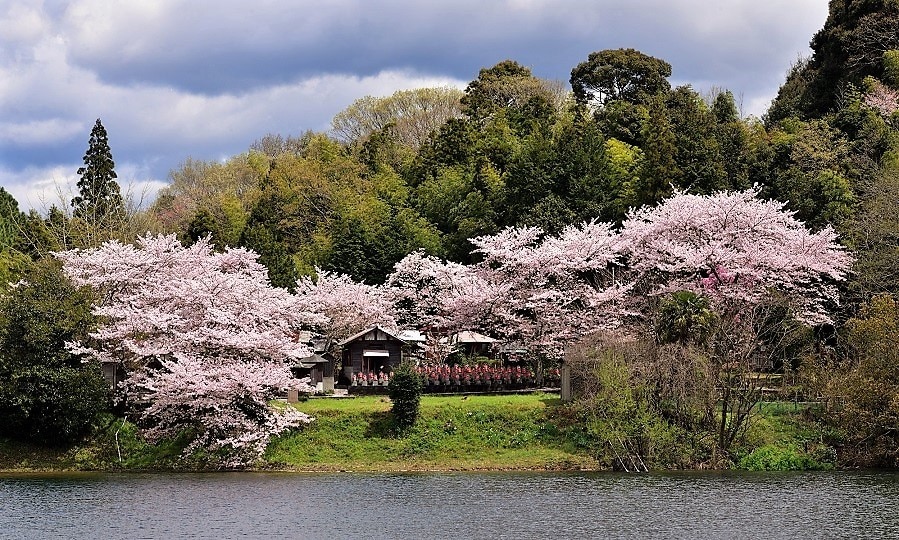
{"points": [[762, 271], [347, 306], [549, 291], [543, 291], [425, 293], [422, 290], [221, 402], [737, 249], [205, 337]]}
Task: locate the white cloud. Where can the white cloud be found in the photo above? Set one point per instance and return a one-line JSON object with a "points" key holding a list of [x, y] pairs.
{"points": [[170, 123], [40, 187], [46, 101], [39, 131], [22, 23], [151, 129]]}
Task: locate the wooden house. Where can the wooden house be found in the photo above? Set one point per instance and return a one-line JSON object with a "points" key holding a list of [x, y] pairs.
{"points": [[470, 344], [373, 350], [319, 365], [113, 372], [513, 352]]}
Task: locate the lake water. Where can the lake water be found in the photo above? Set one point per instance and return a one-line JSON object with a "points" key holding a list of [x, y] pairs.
{"points": [[451, 505]]}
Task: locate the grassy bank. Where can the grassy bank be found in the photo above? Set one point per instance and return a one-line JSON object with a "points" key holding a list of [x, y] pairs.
{"points": [[101, 451], [513, 432], [782, 438], [16, 456], [452, 433]]}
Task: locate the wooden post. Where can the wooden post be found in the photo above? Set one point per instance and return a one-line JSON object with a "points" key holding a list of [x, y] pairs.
{"points": [[565, 392]]}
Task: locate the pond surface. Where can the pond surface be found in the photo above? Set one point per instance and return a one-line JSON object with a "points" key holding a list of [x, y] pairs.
{"points": [[451, 505]]}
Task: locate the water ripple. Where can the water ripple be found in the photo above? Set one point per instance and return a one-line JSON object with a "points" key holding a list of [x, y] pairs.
{"points": [[791, 506]]}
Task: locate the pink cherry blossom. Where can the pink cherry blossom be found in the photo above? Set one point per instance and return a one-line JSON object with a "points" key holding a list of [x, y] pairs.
{"points": [[346, 306], [206, 339], [883, 99], [737, 248], [549, 291], [544, 291]]}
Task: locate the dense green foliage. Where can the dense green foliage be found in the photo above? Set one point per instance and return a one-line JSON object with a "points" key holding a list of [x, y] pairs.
{"points": [[684, 317], [52, 405], [10, 216], [47, 394], [13, 263], [619, 75], [862, 392], [850, 47], [644, 406]]}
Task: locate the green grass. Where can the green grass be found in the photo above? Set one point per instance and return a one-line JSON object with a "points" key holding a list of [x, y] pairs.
{"points": [[487, 432], [452, 433], [782, 437], [16, 456]]}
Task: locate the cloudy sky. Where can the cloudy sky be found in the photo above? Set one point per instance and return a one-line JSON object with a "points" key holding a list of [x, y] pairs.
{"points": [[172, 79]]}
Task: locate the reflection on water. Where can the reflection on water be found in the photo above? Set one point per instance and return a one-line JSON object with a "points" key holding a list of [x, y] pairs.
{"points": [[458, 505]]}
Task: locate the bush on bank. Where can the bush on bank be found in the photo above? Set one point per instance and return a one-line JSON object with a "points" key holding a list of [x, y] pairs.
{"points": [[533, 431]]}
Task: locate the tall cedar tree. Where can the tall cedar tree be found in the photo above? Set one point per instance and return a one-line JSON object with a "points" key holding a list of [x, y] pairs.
{"points": [[660, 170], [99, 200]]}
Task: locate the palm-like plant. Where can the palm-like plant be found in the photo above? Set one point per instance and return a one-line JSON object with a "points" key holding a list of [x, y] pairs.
{"points": [[685, 317]]}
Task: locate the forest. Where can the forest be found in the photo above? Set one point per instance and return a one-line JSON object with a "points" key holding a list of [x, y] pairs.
{"points": [[678, 255]]}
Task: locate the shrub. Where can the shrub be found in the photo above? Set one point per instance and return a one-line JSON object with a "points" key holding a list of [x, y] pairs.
{"points": [[617, 414], [405, 390], [774, 458], [863, 392], [47, 394], [52, 406]]}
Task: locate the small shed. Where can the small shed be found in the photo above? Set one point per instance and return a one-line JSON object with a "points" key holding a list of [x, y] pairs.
{"points": [[470, 343], [319, 369], [113, 372], [373, 350]]}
